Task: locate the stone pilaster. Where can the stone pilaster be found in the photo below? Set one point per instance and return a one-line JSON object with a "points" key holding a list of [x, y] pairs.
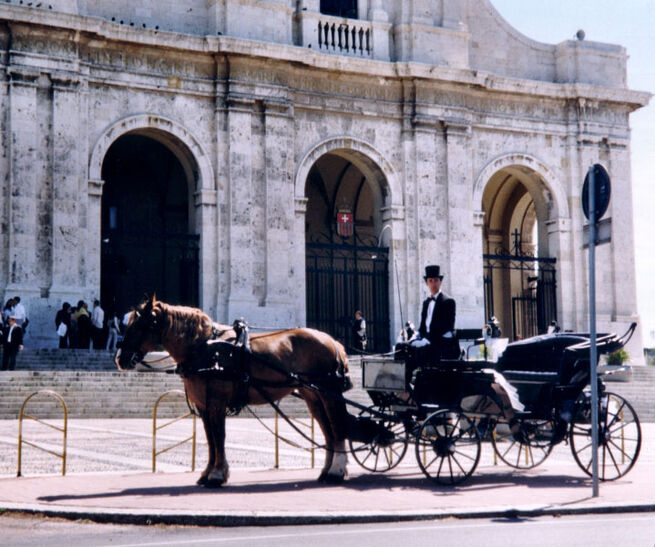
{"points": [[297, 252], [279, 217], [68, 241], [241, 300], [463, 237], [23, 128]]}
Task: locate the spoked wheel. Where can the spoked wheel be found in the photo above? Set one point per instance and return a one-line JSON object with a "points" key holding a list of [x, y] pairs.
{"points": [[386, 450], [619, 436], [448, 447], [526, 444]]}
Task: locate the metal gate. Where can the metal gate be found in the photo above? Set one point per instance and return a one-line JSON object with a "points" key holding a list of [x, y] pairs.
{"points": [[533, 301], [342, 279], [134, 266]]}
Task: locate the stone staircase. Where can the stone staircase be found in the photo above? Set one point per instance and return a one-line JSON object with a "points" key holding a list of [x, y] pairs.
{"points": [[93, 388], [640, 392]]}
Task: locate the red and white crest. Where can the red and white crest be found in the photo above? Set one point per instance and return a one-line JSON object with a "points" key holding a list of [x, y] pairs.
{"points": [[345, 222]]}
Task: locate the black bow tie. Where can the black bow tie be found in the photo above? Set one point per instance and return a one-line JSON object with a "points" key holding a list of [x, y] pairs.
{"points": [[434, 298]]}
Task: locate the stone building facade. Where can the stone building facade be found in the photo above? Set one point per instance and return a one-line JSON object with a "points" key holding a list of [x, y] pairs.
{"points": [[197, 148]]}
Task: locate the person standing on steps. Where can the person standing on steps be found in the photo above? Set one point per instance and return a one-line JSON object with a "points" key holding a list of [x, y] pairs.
{"points": [[12, 343]]}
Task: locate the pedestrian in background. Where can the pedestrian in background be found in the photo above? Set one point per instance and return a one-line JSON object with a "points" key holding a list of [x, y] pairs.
{"points": [[63, 325], [12, 343], [98, 325], [114, 331], [359, 331], [83, 322]]}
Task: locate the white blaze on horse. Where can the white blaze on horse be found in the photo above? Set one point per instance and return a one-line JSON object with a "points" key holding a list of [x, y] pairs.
{"points": [[214, 370]]}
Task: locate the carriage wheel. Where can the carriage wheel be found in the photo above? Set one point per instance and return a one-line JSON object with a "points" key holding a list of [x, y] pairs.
{"points": [[448, 447], [385, 451], [527, 446], [619, 436]]}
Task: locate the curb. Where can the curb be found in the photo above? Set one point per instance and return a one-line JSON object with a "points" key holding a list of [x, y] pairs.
{"points": [[254, 518]]}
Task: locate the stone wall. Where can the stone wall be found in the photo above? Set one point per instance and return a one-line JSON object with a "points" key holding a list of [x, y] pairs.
{"points": [[248, 113]]}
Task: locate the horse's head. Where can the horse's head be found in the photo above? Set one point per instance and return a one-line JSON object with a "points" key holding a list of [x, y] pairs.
{"points": [[142, 335]]}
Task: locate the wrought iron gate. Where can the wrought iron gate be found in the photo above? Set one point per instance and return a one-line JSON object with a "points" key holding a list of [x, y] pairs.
{"points": [[534, 302], [342, 279]]}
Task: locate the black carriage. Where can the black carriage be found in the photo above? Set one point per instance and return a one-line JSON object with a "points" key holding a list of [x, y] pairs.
{"points": [[534, 397]]}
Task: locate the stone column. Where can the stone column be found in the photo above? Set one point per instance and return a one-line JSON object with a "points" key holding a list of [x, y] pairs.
{"points": [[431, 195], [559, 246], [280, 309], [465, 244], [241, 300], [21, 222], [395, 237], [206, 219], [68, 241], [298, 278]]}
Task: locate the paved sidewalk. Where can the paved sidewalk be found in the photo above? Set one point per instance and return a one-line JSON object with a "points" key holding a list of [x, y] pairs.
{"points": [[108, 480]]}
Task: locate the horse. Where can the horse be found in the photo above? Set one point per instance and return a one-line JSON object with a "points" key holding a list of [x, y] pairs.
{"points": [[277, 363]]}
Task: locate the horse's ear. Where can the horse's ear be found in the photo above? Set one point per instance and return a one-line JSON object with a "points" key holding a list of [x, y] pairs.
{"points": [[153, 299]]}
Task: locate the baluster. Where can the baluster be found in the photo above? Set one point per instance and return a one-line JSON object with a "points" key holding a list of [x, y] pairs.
{"points": [[320, 36], [340, 33], [346, 38], [333, 32], [368, 41], [361, 40], [326, 32], [354, 39]]}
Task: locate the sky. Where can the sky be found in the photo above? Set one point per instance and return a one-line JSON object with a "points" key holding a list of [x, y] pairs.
{"points": [[630, 23]]}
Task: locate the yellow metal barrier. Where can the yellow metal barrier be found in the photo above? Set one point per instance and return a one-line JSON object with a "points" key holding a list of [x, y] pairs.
{"points": [[277, 438], [156, 428], [63, 429]]}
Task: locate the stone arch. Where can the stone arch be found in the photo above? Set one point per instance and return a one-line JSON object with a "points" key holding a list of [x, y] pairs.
{"points": [[363, 155], [200, 174], [174, 135], [546, 191]]}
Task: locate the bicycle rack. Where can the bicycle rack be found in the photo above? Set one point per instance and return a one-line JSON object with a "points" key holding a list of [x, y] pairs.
{"points": [[63, 429], [156, 428]]}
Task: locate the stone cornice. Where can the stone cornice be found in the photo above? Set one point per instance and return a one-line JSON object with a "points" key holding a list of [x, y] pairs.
{"points": [[102, 30]]}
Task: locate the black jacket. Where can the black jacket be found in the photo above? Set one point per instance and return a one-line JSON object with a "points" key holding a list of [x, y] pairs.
{"points": [[443, 318], [16, 339]]}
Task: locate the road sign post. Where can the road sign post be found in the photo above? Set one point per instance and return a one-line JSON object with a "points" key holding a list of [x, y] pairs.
{"points": [[595, 200]]}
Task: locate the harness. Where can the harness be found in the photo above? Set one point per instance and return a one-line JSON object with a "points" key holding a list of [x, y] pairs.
{"points": [[230, 361]]}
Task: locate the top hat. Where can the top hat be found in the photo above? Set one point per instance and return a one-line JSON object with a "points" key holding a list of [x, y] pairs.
{"points": [[432, 271]]}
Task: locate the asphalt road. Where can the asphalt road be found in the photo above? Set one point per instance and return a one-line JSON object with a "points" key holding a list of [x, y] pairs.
{"points": [[635, 530]]}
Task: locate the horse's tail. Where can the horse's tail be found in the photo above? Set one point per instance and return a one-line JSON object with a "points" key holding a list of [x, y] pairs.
{"points": [[343, 371]]}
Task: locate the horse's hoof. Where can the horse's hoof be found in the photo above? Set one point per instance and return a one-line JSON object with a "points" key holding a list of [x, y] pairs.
{"points": [[213, 483], [202, 481], [326, 478]]}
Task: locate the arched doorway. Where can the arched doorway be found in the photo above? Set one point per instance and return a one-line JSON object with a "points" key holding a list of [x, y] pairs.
{"points": [[346, 268], [519, 273], [148, 244]]}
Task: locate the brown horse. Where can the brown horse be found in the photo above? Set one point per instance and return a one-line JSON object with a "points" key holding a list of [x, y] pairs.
{"points": [[187, 333]]}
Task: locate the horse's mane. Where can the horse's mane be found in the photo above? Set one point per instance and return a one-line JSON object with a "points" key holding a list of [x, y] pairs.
{"points": [[191, 325]]}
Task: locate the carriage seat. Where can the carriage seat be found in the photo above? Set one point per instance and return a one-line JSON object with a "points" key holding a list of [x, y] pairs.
{"points": [[543, 355]]}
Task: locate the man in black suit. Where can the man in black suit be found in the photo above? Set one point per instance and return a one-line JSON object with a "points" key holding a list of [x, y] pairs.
{"points": [[438, 318], [12, 343]]}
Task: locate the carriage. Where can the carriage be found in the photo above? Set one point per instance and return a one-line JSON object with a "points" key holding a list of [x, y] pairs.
{"points": [[535, 396]]}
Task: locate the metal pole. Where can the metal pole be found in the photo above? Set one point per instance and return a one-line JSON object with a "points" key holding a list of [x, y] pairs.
{"points": [[593, 358]]}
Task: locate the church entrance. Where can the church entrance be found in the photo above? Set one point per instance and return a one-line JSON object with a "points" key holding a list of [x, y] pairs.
{"points": [[519, 275], [147, 243], [346, 268]]}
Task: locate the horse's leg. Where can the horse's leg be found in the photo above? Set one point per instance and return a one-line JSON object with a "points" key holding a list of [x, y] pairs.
{"points": [[196, 391], [331, 417], [211, 445], [318, 413], [219, 471], [337, 421]]}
